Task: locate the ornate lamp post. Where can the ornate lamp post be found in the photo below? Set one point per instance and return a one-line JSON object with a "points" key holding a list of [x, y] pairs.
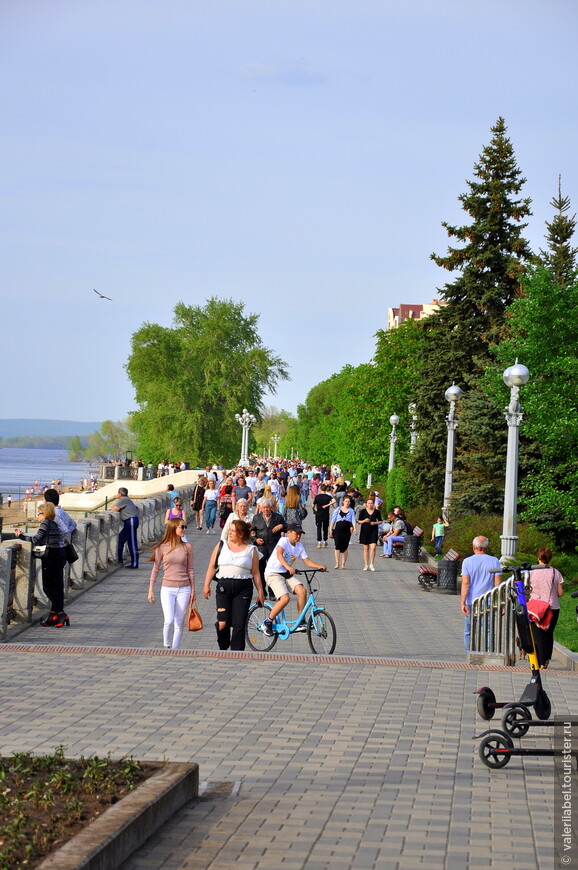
{"points": [[275, 439], [514, 377], [453, 394], [245, 420], [413, 427], [394, 420]]}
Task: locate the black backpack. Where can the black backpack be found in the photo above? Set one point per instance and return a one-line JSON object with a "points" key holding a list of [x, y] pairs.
{"points": [[408, 528]]}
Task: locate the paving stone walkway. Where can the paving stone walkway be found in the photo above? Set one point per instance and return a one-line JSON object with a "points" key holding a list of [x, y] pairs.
{"points": [[361, 760]]}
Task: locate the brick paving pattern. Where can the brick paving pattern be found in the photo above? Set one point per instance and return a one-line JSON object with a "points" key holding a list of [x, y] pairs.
{"points": [[361, 760]]}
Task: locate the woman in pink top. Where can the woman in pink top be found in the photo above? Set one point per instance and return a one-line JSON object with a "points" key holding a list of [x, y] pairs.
{"points": [[178, 586], [546, 584]]}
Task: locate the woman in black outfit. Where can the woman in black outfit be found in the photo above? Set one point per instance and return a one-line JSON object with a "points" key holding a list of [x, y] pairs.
{"points": [[50, 534], [369, 519], [341, 529]]}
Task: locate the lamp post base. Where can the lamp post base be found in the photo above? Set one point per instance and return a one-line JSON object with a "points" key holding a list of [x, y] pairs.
{"points": [[509, 545]]}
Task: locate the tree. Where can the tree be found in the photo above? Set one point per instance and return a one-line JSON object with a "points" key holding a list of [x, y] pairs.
{"points": [[190, 380], [111, 441], [75, 449], [560, 257], [490, 260], [273, 422]]}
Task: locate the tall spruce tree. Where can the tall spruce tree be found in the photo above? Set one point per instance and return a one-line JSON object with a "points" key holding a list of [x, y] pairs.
{"points": [[560, 257], [490, 264]]}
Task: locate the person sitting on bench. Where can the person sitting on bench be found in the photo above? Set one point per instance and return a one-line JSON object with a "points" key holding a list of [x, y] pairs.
{"points": [[396, 534]]}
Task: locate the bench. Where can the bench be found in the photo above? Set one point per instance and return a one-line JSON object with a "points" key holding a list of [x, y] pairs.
{"points": [[427, 576]]}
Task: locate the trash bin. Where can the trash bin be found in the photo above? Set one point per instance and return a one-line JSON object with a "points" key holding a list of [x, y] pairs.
{"points": [[447, 577], [411, 548]]}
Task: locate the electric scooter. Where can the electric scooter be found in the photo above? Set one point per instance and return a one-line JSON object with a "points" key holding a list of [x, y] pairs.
{"points": [[497, 747], [534, 694]]}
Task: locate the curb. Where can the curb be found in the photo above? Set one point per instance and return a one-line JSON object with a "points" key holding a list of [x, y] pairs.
{"points": [[565, 657], [112, 838]]}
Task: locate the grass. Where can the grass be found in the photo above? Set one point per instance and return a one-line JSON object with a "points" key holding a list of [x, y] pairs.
{"points": [[45, 800]]}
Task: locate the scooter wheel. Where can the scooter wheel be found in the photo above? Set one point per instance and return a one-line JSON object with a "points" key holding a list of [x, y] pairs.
{"points": [[512, 720], [543, 707], [485, 702], [494, 750]]}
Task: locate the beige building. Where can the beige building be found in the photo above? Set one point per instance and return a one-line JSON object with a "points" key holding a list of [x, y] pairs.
{"points": [[395, 316]]}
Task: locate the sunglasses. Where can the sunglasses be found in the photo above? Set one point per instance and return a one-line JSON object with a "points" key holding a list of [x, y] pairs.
{"points": [[182, 527]]}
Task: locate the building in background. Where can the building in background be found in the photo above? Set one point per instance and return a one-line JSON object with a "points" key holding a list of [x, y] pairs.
{"points": [[395, 316]]}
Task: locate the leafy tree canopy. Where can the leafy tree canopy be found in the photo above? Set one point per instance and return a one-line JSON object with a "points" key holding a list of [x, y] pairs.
{"points": [[192, 378]]}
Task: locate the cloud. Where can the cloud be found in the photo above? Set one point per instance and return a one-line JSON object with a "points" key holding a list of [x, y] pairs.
{"points": [[295, 73]]}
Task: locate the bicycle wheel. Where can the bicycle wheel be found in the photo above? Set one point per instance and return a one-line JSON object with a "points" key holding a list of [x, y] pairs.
{"points": [[321, 633], [256, 639]]}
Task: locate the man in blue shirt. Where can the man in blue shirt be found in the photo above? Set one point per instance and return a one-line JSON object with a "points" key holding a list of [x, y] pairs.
{"points": [[477, 580]]}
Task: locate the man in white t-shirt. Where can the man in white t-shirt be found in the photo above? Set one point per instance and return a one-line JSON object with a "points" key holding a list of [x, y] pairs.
{"points": [[280, 571]]}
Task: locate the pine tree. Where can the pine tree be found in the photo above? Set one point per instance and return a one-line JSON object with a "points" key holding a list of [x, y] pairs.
{"points": [[560, 257], [490, 262]]}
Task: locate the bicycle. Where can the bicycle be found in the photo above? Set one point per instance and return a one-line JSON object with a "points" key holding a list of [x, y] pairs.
{"points": [[321, 631]]}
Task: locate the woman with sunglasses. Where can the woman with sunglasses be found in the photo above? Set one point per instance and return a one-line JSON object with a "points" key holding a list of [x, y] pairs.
{"points": [[176, 512], [175, 556]]}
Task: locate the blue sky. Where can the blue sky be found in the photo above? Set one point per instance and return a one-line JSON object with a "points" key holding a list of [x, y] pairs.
{"points": [[298, 156]]}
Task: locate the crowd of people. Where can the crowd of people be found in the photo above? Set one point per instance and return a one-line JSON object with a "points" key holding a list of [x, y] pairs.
{"points": [[258, 513]]}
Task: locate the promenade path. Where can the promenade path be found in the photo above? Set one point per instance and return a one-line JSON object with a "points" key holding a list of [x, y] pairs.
{"points": [[360, 760]]}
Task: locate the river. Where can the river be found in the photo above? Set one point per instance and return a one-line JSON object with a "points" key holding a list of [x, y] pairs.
{"points": [[21, 467]]}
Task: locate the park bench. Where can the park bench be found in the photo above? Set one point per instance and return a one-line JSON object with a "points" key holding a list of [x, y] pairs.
{"points": [[427, 577]]}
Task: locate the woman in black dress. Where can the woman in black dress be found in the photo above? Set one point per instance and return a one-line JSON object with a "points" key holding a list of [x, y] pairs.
{"points": [[341, 528], [369, 519], [197, 501]]}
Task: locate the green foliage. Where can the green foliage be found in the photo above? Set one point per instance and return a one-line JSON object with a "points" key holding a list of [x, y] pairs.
{"points": [[549, 486], [490, 261], [75, 449], [273, 422], [560, 257], [397, 488], [192, 378], [111, 441]]}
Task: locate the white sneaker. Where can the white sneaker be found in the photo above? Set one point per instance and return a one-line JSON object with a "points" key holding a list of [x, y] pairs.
{"points": [[371, 568], [366, 568], [208, 532]]}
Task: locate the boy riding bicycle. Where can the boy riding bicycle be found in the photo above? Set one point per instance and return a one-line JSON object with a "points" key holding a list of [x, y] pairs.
{"points": [[279, 575]]}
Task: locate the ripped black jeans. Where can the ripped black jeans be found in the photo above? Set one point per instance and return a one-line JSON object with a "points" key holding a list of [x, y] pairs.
{"points": [[233, 599]]}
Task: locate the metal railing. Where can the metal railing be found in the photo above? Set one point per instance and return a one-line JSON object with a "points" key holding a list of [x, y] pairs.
{"points": [[493, 625]]}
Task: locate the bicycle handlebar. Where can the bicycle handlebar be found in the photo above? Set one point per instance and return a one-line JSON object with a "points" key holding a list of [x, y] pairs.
{"points": [[514, 568], [311, 570]]}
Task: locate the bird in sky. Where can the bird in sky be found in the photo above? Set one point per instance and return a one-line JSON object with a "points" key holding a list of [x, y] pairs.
{"points": [[102, 296]]}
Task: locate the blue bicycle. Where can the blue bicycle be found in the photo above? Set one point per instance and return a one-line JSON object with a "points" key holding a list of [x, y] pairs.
{"points": [[320, 627]]}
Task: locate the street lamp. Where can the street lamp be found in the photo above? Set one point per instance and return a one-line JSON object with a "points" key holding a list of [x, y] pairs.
{"points": [[514, 377], [413, 426], [453, 394], [275, 439], [245, 420], [394, 420]]}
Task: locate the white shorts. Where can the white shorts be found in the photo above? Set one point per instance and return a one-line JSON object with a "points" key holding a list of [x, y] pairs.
{"points": [[282, 585]]}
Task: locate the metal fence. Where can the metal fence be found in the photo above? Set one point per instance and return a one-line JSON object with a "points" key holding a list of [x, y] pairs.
{"points": [[493, 625]]}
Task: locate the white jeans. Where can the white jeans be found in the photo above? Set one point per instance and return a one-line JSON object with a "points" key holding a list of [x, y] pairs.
{"points": [[175, 603]]}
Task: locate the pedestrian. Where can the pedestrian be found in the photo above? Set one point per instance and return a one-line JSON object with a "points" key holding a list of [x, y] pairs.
{"points": [[175, 556], [438, 533], [197, 501], [480, 573], [341, 528], [127, 535], [321, 505], [369, 519], [172, 492], [546, 584], [266, 530], [9, 501], [64, 520], [234, 565], [209, 505], [50, 534]]}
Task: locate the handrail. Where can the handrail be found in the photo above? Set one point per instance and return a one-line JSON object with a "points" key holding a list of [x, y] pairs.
{"points": [[493, 630]]}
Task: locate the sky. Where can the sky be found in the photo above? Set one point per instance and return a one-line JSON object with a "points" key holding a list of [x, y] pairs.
{"points": [[296, 155]]}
